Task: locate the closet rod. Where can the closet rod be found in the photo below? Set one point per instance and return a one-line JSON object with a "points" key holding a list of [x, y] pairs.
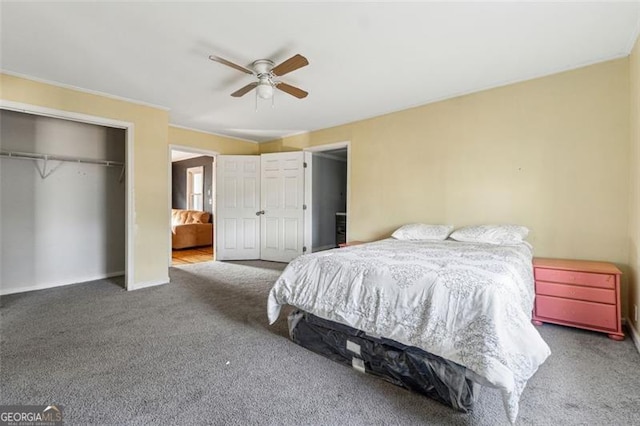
{"points": [[33, 156]]}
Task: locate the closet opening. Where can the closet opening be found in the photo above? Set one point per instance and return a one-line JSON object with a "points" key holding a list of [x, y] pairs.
{"points": [[63, 201], [192, 187]]}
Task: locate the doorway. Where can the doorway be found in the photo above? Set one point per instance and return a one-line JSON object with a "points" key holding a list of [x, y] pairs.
{"points": [[329, 195], [192, 202]]}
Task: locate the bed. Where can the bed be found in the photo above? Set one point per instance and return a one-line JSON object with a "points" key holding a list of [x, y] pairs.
{"points": [[468, 303]]}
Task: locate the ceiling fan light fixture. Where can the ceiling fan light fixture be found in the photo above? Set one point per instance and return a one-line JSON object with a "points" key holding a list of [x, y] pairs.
{"points": [[267, 77], [265, 90]]}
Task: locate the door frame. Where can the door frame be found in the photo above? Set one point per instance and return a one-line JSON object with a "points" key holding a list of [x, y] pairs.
{"points": [[129, 168], [209, 153], [331, 147]]}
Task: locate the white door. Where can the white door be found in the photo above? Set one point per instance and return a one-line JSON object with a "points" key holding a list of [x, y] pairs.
{"points": [[282, 206], [237, 204]]}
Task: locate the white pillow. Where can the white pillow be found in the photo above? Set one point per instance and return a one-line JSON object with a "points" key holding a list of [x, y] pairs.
{"points": [[492, 234], [421, 231]]}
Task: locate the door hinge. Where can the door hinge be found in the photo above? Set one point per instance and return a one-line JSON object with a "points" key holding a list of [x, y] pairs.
{"points": [[304, 164], [304, 249], [304, 207]]}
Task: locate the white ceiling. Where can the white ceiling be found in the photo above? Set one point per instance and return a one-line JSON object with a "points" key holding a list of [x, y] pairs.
{"points": [[183, 155], [366, 59]]}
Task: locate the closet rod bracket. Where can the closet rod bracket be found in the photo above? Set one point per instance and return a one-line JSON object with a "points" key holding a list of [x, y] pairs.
{"points": [[43, 172]]}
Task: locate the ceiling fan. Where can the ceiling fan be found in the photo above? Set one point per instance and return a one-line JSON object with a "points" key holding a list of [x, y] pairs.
{"points": [[267, 75]]}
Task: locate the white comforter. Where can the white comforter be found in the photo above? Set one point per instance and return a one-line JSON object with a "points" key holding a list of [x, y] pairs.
{"points": [[467, 302]]}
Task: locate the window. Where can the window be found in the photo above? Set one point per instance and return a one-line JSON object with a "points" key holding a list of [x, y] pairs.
{"points": [[195, 186]]}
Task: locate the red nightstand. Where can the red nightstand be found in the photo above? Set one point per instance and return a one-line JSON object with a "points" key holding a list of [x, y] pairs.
{"points": [[578, 293]]}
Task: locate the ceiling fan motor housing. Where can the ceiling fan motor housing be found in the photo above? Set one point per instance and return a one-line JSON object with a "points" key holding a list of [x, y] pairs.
{"points": [[262, 66]]}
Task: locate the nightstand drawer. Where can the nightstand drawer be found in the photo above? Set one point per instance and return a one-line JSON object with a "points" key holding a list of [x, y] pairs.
{"points": [[577, 312], [574, 277], [600, 295]]}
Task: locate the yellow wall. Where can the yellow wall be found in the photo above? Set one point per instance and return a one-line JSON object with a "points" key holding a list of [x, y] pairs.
{"points": [[208, 141], [550, 153], [634, 225], [152, 135]]}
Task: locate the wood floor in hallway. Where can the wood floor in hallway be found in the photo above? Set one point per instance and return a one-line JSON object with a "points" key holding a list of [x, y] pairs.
{"points": [[192, 255]]}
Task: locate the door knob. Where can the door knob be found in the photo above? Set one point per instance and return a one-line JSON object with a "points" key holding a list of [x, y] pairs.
{"points": [[260, 212]]}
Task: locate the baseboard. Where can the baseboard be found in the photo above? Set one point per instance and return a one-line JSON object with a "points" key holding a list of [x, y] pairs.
{"points": [[635, 336], [145, 284], [43, 286]]}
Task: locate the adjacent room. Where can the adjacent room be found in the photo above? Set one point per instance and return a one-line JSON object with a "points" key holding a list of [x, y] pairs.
{"points": [[320, 213], [192, 207], [329, 199]]}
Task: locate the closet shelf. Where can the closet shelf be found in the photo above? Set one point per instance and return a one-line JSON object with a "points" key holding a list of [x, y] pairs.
{"points": [[34, 156], [60, 158]]}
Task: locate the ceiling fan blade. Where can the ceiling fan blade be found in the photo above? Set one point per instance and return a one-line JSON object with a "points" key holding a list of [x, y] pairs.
{"points": [[291, 64], [246, 89], [292, 90], [230, 64]]}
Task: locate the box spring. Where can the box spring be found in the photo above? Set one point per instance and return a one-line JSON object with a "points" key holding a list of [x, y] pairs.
{"points": [[405, 366]]}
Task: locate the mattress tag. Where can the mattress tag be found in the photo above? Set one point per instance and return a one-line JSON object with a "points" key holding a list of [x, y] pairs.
{"points": [[353, 347], [358, 364]]}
